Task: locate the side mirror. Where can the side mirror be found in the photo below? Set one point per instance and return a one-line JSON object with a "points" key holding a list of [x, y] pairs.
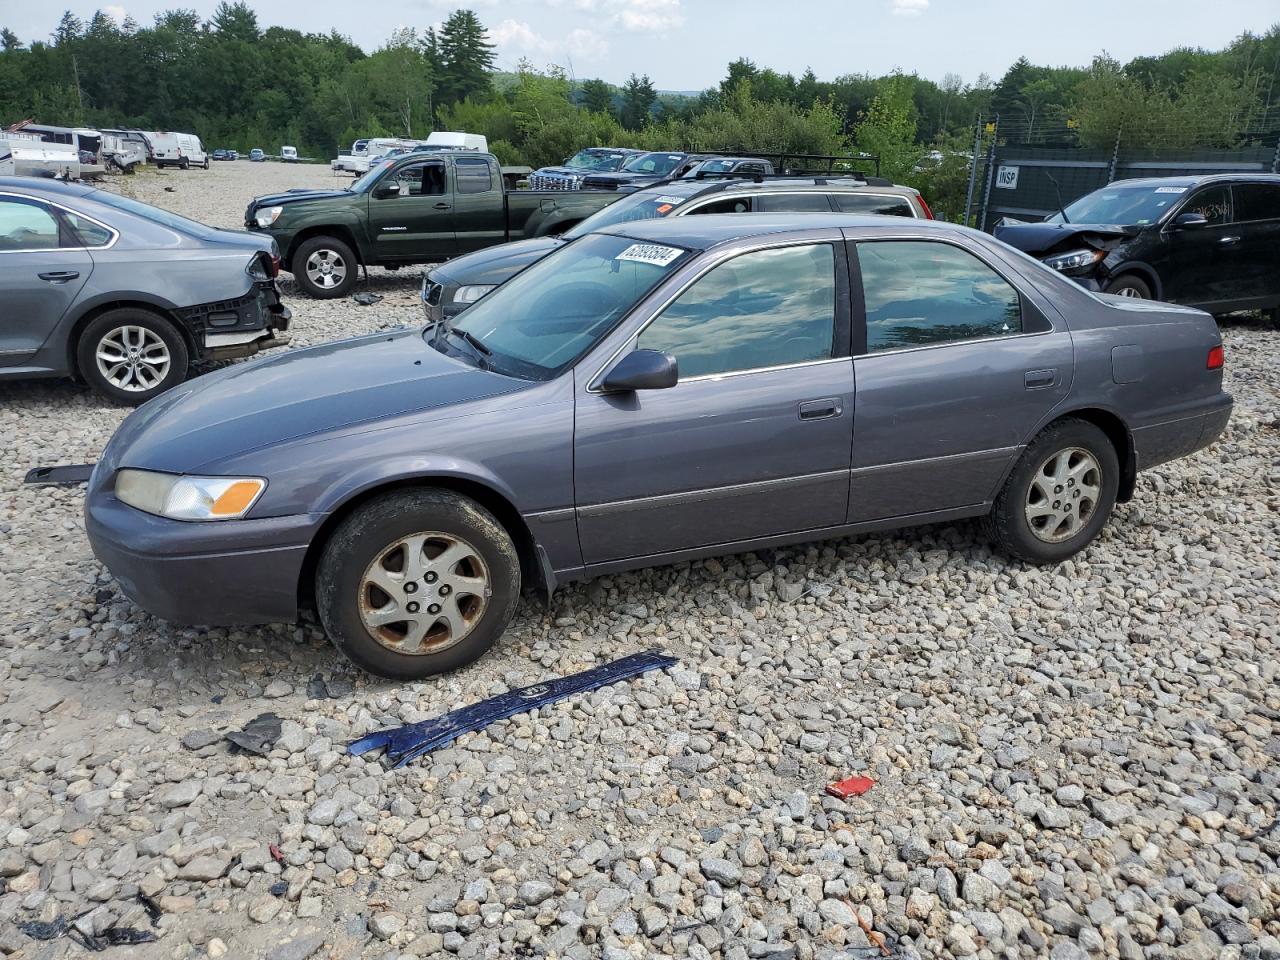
{"points": [[642, 370], [387, 188], [1190, 221]]}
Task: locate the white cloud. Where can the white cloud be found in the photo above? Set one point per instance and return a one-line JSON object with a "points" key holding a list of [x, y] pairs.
{"points": [[586, 44], [909, 8], [116, 13], [649, 15], [519, 36]]}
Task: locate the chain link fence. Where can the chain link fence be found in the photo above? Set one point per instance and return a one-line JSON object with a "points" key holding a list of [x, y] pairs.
{"points": [[1028, 170]]}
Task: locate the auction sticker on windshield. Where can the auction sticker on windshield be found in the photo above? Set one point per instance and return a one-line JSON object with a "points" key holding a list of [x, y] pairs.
{"points": [[674, 201], [1171, 189], [653, 253]]}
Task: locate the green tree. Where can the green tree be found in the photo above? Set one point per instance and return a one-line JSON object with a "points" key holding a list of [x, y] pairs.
{"points": [[464, 57], [9, 41], [638, 97], [597, 96], [887, 129]]}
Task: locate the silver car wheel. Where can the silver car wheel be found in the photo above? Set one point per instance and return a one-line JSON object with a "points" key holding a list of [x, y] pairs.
{"points": [[1130, 292], [326, 269], [133, 359], [1063, 494], [424, 593]]}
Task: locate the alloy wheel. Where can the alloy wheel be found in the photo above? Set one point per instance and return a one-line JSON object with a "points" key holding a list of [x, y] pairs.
{"points": [[1133, 292], [424, 593], [133, 358], [326, 269], [1063, 494]]}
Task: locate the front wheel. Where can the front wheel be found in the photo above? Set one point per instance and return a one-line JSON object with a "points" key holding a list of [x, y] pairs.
{"points": [[417, 582], [206, 163], [325, 268], [1059, 494], [130, 355], [185, 164], [1127, 285]]}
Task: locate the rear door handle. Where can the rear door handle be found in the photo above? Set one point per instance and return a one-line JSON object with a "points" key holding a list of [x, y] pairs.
{"points": [[442, 206], [821, 409], [1227, 241], [58, 276], [1037, 379]]}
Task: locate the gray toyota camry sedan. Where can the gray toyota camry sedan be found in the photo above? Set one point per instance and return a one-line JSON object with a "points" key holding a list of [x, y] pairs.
{"points": [[657, 391]]}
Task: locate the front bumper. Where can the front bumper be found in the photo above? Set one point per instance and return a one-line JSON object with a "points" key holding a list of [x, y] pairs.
{"points": [[217, 574]]}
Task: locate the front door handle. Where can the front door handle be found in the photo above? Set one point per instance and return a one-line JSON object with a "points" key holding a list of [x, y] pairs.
{"points": [[1228, 241], [58, 276], [1038, 379], [821, 409], [442, 206]]}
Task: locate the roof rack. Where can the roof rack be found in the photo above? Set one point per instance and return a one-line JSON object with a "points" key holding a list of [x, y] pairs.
{"points": [[819, 179]]}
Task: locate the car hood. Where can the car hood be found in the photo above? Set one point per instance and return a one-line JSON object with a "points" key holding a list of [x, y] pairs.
{"points": [[496, 264], [296, 394], [1036, 238], [294, 196]]}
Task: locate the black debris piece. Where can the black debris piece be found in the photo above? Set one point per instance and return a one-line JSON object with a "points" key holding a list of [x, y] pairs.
{"points": [[259, 734], [415, 739], [39, 930], [122, 936], [152, 908], [279, 888], [67, 475], [366, 299], [317, 689]]}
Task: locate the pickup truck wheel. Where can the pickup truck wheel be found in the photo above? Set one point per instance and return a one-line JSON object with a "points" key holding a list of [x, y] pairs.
{"points": [[1059, 494], [417, 582], [325, 268], [130, 355]]}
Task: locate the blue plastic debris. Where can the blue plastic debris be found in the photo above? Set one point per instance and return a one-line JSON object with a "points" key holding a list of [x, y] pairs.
{"points": [[415, 739]]}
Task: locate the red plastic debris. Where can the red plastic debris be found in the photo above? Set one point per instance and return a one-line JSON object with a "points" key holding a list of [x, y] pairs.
{"points": [[853, 787], [276, 855]]}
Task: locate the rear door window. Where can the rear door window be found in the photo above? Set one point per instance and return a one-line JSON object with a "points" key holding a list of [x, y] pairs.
{"points": [[878, 203], [474, 175], [793, 203], [26, 225], [921, 293], [1257, 201]]}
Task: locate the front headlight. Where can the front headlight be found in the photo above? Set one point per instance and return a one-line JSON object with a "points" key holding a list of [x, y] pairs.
{"points": [[266, 218], [1074, 260], [472, 292], [188, 498]]}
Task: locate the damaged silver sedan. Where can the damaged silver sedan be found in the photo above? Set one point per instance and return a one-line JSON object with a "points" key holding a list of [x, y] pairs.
{"points": [[122, 295]]}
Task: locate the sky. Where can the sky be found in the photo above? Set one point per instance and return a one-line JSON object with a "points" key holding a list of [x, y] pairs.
{"points": [[686, 44]]}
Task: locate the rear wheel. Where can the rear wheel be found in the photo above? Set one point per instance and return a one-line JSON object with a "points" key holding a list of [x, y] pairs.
{"points": [[325, 268], [1128, 285], [1059, 494], [417, 582], [131, 355], [185, 164]]}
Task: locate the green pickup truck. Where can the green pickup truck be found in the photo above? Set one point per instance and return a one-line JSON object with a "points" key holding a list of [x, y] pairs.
{"points": [[415, 208]]}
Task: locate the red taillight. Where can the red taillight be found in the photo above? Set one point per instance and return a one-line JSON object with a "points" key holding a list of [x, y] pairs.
{"points": [[928, 214], [275, 265], [1216, 358]]}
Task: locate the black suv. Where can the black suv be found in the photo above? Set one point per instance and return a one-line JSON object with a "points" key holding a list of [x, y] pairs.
{"points": [[1211, 242], [450, 288]]}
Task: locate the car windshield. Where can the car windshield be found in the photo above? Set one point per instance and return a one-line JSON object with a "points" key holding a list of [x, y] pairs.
{"points": [[588, 160], [366, 180], [656, 163], [712, 166], [1123, 206], [546, 317], [154, 214], [636, 206]]}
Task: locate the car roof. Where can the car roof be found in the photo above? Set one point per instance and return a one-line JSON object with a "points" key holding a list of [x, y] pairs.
{"points": [[46, 186], [704, 232], [1193, 180], [817, 183]]}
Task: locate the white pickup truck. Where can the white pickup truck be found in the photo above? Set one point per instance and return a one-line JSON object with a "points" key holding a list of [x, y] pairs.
{"points": [[364, 152]]}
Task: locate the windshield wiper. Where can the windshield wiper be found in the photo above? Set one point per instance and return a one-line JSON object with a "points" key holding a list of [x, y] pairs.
{"points": [[476, 347]]}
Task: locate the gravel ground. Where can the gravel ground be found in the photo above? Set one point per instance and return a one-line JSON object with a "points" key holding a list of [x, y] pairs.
{"points": [[1071, 763]]}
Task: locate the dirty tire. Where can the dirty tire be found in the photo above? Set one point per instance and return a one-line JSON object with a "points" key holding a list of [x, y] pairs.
{"points": [[1007, 523], [365, 535], [1128, 285], [102, 326], [185, 164], [337, 252]]}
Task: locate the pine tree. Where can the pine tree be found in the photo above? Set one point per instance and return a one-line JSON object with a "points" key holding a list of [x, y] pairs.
{"points": [[465, 57], [638, 97], [597, 96]]}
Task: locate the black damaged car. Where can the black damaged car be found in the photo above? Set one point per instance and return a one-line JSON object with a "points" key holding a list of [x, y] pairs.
{"points": [[1211, 242]]}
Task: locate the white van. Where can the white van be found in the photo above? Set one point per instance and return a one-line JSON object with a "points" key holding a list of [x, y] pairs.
{"points": [[179, 150], [289, 154], [447, 140], [378, 148]]}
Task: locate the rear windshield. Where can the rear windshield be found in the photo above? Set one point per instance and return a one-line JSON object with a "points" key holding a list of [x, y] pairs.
{"points": [[656, 163], [154, 214], [637, 206], [584, 160]]}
